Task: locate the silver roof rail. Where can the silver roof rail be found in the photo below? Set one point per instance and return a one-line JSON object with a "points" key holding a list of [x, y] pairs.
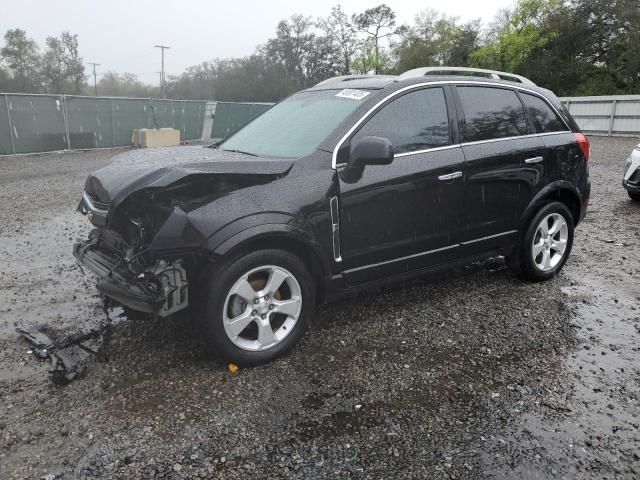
{"points": [[421, 72], [347, 78]]}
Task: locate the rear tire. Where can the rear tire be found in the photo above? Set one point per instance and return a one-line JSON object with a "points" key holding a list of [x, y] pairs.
{"points": [[546, 244], [257, 307], [634, 196]]}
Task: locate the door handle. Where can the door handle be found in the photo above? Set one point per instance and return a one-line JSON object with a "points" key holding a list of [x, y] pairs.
{"points": [[534, 160], [450, 176]]}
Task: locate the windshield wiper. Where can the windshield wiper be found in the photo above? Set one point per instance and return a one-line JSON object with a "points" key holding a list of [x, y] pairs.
{"points": [[240, 151]]}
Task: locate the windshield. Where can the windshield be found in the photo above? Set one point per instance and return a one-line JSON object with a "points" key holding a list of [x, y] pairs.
{"points": [[296, 127]]}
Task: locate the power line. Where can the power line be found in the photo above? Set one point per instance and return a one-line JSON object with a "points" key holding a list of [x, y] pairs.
{"points": [[162, 48], [95, 83]]}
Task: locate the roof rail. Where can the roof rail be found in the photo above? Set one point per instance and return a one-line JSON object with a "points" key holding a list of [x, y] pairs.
{"points": [[421, 72], [347, 78]]}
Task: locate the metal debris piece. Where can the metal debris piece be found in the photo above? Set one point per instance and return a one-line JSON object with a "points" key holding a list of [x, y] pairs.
{"points": [[67, 359]]}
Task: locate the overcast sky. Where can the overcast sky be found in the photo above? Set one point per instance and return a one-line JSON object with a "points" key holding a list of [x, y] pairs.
{"points": [[120, 34]]}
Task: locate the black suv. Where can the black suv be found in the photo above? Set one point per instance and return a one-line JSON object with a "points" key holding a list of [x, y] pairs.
{"points": [[356, 181]]}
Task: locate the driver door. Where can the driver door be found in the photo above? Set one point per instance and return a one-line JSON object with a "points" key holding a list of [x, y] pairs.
{"points": [[406, 215]]}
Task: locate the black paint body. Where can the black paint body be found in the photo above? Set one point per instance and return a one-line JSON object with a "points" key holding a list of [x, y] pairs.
{"points": [[394, 221]]}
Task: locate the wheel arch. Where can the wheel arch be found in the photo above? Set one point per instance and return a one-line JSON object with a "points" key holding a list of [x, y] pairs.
{"points": [[281, 237], [561, 191]]}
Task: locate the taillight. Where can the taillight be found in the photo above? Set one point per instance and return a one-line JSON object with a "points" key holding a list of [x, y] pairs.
{"points": [[583, 142]]}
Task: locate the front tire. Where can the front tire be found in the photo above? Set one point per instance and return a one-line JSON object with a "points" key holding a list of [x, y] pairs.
{"points": [[634, 196], [257, 307], [545, 246]]}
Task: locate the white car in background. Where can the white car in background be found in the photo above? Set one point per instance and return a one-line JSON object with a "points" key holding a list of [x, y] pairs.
{"points": [[631, 180]]}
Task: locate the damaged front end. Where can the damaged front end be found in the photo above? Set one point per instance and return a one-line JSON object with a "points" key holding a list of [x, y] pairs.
{"points": [[122, 252], [153, 216], [159, 286]]}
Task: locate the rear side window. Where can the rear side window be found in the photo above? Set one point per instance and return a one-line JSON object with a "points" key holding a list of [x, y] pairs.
{"points": [[491, 113], [415, 121], [544, 118]]}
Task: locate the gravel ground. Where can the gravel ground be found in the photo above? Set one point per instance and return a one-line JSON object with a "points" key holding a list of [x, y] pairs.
{"points": [[471, 375]]}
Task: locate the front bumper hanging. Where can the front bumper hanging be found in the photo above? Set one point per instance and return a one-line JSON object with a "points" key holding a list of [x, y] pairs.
{"points": [[161, 288], [116, 281]]}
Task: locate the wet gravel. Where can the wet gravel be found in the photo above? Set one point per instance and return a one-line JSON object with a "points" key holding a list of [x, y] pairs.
{"points": [[473, 374]]}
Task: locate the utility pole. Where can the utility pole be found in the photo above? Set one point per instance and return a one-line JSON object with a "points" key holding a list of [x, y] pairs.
{"points": [[95, 83], [162, 48]]}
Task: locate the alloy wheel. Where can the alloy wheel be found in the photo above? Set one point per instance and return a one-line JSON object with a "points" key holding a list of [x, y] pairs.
{"points": [[262, 308], [550, 242]]}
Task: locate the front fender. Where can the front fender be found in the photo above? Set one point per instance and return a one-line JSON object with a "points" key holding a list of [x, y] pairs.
{"points": [[252, 230]]}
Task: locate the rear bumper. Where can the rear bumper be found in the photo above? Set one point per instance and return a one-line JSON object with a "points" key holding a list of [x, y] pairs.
{"points": [[118, 281], [585, 193]]}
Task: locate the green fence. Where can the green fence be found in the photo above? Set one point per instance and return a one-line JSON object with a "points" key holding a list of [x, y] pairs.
{"points": [[41, 123], [230, 117]]}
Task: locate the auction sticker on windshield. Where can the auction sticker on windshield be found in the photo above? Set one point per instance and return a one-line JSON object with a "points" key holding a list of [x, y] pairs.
{"points": [[352, 94]]}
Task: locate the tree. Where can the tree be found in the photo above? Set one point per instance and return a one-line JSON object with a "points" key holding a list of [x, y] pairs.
{"points": [[290, 48], [377, 23], [518, 33], [254, 78], [5, 80], [305, 57], [341, 31], [62, 68], [435, 40], [605, 36], [323, 61], [125, 85], [53, 66], [20, 53], [74, 66]]}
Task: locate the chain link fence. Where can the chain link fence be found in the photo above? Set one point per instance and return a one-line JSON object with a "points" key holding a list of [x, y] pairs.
{"points": [[42, 123]]}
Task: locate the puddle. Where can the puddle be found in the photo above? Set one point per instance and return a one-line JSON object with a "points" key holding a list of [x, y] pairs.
{"points": [[588, 432]]}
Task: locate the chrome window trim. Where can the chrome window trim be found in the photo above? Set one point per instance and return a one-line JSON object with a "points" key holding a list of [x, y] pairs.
{"points": [[426, 150], [503, 139], [429, 252], [464, 144], [334, 156]]}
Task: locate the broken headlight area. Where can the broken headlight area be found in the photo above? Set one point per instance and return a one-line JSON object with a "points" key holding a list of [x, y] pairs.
{"points": [[95, 210], [134, 279]]}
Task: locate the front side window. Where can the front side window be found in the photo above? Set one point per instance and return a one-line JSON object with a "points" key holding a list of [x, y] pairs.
{"points": [[296, 126], [415, 121], [544, 118], [491, 113]]}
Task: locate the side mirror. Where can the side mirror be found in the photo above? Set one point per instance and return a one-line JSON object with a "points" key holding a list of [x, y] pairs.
{"points": [[371, 151]]}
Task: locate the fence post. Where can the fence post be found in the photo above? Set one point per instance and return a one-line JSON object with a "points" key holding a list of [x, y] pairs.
{"points": [[6, 101], [613, 114], [66, 120], [113, 126]]}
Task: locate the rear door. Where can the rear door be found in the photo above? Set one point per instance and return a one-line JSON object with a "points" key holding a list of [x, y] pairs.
{"points": [[405, 215], [503, 163], [560, 144]]}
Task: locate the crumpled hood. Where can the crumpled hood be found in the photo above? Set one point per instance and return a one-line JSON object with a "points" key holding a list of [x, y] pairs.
{"points": [[160, 167]]}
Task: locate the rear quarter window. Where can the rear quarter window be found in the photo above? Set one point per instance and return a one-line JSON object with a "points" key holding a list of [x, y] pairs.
{"points": [[545, 120], [491, 113]]}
